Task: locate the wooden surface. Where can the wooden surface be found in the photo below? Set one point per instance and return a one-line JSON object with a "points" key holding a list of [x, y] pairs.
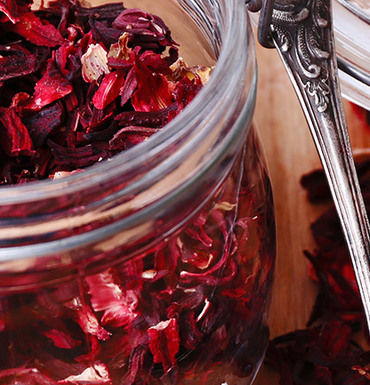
{"points": [[290, 153]]}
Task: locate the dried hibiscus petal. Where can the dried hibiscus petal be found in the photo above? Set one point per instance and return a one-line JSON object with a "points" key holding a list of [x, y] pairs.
{"points": [[51, 87], [130, 136], [16, 139], [164, 342], [29, 376], [36, 31], [10, 9], [94, 375], [94, 63], [146, 30], [118, 305], [108, 89], [72, 158], [154, 119], [153, 90], [88, 321], [61, 339], [128, 87], [18, 65], [44, 122]]}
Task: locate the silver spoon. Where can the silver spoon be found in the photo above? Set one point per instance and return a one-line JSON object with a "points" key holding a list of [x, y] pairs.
{"points": [[301, 30]]}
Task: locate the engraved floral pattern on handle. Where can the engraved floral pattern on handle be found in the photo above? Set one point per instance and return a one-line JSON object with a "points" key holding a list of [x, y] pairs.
{"points": [[305, 38]]}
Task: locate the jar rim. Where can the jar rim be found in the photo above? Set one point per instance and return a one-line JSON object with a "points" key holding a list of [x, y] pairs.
{"points": [[130, 159]]}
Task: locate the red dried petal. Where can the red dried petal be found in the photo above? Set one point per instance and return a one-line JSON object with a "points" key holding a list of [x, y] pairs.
{"points": [[74, 158], [41, 124], [51, 87], [103, 33], [185, 91], [164, 342], [335, 339], [189, 333], [153, 90], [61, 339], [109, 89], [10, 9], [62, 54], [15, 138], [36, 31], [89, 324], [154, 119], [20, 376], [118, 305], [129, 136], [13, 66], [155, 62], [97, 374], [146, 30], [128, 87]]}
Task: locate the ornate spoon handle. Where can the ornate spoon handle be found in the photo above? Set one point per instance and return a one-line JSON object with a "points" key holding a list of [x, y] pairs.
{"points": [[302, 33]]}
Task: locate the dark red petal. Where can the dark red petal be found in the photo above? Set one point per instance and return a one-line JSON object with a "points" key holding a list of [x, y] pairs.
{"points": [[51, 87], [61, 339], [147, 31], [189, 333], [62, 54], [128, 87], [155, 62], [24, 376], [132, 18], [155, 119], [36, 31], [109, 89], [335, 339], [153, 90], [15, 138], [164, 342], [107, 12], [103, 33], [74, 158], [89, 324], [15, 65], [10, 9], [185, 91], [129, 136], [41, 124], [118, 305]]}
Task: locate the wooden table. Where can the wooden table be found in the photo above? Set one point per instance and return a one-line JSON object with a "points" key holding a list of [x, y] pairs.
{"points": [[290, 154]]}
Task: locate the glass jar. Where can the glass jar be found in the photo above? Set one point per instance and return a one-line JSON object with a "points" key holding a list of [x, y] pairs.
{"points": [[153, 267]]}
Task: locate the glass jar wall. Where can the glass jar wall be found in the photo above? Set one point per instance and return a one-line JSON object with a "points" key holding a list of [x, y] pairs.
{"points": [[153, 267], [352, 34]]}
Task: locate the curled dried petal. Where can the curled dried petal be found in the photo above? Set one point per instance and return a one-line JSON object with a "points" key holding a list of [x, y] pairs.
{"points": [[36, 31], [94, 375], [164, 342], [16, 139], [51, 87], [10, 9], [153, 90], [94, 63], [109, 89]]}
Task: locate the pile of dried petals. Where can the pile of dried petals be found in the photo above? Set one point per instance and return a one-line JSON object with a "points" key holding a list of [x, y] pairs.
{"points": [[78, 85], [326, 352]]}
